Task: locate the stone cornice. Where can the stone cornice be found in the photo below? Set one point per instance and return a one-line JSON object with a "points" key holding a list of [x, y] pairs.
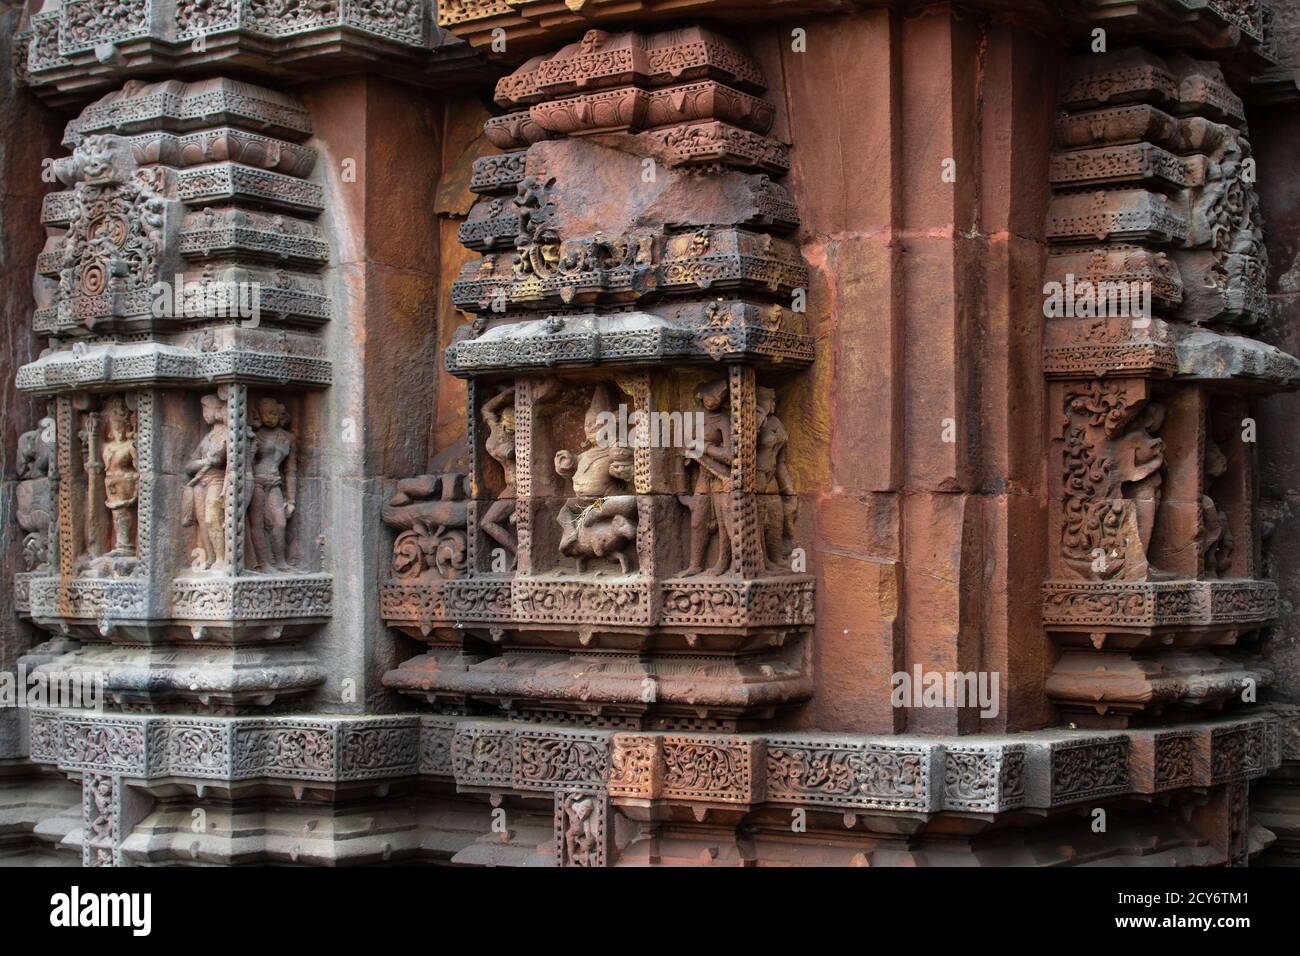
{"points": [[79, 48], [892, 774]]}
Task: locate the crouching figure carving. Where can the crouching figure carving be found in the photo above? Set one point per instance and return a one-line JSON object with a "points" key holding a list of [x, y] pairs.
{"points": [[431, 514], [601, 519]]}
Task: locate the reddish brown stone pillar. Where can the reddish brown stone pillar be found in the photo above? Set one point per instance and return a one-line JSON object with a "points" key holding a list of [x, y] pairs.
{"points": [[924, 226]]}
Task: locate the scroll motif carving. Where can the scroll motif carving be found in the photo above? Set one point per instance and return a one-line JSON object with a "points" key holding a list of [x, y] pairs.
{"points": [[1114, 461], [431, 513]]}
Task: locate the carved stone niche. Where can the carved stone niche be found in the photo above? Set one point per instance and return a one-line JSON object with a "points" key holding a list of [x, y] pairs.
{"points": [[248, 502], [592, 546], [618, 548], [1152, 594]]}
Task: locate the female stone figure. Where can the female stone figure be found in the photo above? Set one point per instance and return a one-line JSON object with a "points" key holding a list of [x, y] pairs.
{"points": [[206, 489], [275, 486], [35, 511], [121, 475], [499, 416]]}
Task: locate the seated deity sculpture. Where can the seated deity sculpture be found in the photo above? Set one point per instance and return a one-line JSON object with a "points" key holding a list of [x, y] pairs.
{"points": [[600, 520]]}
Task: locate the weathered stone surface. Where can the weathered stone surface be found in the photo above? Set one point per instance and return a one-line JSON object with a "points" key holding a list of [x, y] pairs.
{"points": [[851, 414]]}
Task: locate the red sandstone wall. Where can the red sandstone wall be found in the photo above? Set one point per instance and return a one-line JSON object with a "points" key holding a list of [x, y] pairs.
{"points": [[873, 117]]}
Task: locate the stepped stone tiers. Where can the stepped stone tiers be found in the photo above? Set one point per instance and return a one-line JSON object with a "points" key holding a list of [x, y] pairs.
{"points": [[176, 539], [646, 581], [639, 433], [1153, 594]]}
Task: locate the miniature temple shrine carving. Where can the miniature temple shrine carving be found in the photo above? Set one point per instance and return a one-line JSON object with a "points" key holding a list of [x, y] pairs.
{"points": [[622, 418]]}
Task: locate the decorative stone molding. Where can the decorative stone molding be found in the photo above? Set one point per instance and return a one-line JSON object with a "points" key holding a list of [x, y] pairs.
{"points": [[148, 750], [607, 772], [1045, 769], [528, 24], [78, 46]]}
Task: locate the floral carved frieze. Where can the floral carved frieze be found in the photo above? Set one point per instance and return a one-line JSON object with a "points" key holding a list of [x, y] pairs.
{"points": [[599, 780], [333, 750], [1045, 769]]}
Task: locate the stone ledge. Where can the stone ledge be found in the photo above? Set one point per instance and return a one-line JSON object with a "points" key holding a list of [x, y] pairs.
{"points": [[61, 62], [903, 774], [730, 331], [228, 749], [1123, 605], [639, 603], [213, 679], [142, 365], [1205, 356], [229, 601]]}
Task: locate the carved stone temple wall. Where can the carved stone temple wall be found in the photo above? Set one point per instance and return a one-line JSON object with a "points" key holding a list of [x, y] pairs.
{"points": [[515, 432]]}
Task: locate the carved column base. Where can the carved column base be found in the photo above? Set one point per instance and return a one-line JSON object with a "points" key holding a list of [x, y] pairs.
{"points": [[211, 679], [1115, 689], [613, 689]]}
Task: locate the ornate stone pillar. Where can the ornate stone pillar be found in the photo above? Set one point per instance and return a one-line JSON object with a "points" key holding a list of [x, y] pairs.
{"points": [[1157, 270]]}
